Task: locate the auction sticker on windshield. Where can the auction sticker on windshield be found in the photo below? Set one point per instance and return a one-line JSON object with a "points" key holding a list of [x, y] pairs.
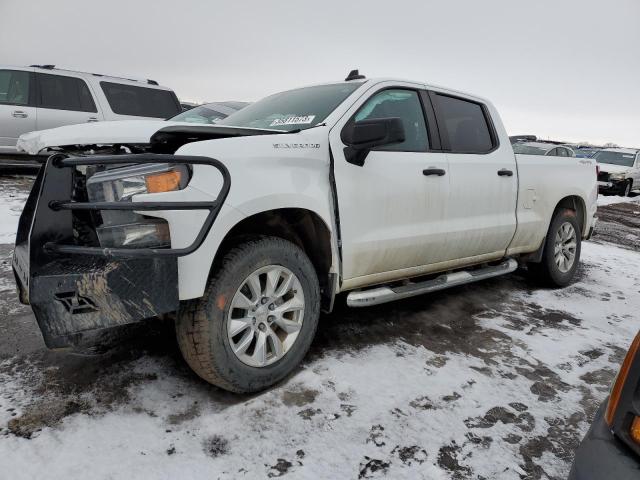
{"points": [[293, 120]]}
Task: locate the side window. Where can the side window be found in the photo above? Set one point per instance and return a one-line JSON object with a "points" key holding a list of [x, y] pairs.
{"points": [[406, 105], [552, 153], [562, 152], [140, 101], [465, 123], [14, 87], [64, 93]]}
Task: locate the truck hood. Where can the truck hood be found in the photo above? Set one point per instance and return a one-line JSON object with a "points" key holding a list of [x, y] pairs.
{"points": [[163, 136], [106, 133], [611, 168]]}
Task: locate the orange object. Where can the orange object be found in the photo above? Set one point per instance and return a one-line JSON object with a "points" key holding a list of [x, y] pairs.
{"points": [[618, 384], [163, 182], [635, 430]]}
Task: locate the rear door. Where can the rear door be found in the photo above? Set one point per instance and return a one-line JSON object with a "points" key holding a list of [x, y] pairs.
{"points": [[392, 210], [481, 217], [64, 100], [17, 107]]}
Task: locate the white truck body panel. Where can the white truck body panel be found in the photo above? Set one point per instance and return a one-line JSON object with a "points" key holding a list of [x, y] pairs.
{"points": [[263, 178]]}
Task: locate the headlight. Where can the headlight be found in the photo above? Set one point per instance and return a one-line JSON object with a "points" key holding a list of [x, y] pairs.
{"points": [[126, 228], [616, 176]]}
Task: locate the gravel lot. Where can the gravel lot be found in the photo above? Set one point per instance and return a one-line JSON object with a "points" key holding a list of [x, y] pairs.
{"points": [[494, 380]]}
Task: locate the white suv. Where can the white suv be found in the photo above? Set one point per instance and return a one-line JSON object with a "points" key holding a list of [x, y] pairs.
{"points": [[41, 97]]}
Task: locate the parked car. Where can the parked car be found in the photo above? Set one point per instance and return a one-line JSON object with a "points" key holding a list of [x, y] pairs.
{"points": [[611, 448], [41, 97], [585, 152], [541, 148], [619, 170], [136, 134], [247, 229]]}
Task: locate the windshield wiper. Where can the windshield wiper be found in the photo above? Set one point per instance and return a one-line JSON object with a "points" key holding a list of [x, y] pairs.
{"points": [[298, 130]]}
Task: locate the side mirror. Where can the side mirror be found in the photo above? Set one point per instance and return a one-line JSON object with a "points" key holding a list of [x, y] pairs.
{"points": [[360, 137]]}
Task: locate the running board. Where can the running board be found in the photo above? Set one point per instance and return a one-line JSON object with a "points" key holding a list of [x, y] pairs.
{"points": [[376, 296]]}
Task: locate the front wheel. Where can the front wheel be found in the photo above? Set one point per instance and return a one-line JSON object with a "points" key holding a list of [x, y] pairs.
{"points": [[625, 191], [257, 318], [561, 250]]}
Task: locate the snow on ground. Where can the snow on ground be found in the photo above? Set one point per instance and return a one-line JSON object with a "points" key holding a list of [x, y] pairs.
{"points": [[496, 380], [515, 400], [13, 196], [604, 200]]}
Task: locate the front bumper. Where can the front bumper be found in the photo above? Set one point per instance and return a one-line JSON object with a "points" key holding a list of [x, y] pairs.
{"points": [[611, 185], [76, 289], [602, 456]]}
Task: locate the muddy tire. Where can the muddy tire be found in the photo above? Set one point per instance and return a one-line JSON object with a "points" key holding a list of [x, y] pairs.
{"points": [[247, 333], [561, 253]]}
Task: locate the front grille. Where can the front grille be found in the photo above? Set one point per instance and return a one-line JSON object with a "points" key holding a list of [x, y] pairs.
{"points": [[603, 177]]}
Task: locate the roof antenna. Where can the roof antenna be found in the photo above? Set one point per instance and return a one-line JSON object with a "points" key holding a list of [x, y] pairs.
{"points": [[354, 75]]}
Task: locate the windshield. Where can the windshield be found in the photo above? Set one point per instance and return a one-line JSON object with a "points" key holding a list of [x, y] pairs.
{"points": [[528, 149], [615, 158], [585, 152], [201, 114], [294, 109]]}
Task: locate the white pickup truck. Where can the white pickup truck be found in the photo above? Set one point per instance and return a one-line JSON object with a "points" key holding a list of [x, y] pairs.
{"points": [[247, 229]]}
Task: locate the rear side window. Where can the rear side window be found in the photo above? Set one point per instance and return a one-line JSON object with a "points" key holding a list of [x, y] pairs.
{"points": [[465, 123], [140, 101], [14, 87], [64, 93]]}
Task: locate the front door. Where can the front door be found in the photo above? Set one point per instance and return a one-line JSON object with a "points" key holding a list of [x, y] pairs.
{"points": [[392, 210]]}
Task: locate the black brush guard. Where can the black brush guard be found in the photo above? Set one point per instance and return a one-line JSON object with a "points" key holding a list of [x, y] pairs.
{"points": [[76, 290]]}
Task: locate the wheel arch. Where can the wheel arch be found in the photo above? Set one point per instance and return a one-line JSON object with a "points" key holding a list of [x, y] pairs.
{"points": [[577, 204], [570, 202], [302, 227]]}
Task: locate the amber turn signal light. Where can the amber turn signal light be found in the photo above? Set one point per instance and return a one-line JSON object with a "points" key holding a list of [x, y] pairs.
{"points": [[163, 182], [618, 384], [635, 430]]}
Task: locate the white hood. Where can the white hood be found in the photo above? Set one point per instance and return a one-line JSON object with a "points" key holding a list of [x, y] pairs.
{"points": [[100, 133]]}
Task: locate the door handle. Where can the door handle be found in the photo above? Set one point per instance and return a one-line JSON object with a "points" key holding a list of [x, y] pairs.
{"points": [[504, 172], [20, 114], [92, 119], [433, 171]]}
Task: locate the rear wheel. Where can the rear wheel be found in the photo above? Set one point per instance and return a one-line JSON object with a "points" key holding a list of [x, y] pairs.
{"points": [[257, 318], [561, 250]]}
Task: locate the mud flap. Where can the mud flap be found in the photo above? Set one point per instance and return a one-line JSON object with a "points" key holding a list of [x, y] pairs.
{"points": [[75, 294]]}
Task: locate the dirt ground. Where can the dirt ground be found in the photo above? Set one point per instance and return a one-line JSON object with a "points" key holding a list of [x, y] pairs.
{"points": [[40, 391]]}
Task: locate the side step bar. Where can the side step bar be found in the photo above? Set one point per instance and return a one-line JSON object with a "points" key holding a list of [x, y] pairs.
{"points": [[376, 296]]}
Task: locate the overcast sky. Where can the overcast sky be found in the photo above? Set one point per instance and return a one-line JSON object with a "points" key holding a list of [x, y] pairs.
{"points": [[566, 69]]}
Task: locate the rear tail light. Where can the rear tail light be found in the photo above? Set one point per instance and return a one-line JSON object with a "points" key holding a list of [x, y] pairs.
{"points": [[618, 384], [597, 170]]}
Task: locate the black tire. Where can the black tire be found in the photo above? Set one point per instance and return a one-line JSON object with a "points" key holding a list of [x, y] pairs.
{"points": [[547, 271], [201, 326], [625, 190]]}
